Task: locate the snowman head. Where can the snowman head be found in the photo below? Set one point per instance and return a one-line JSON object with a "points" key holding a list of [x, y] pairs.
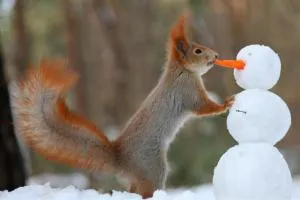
{"points": [[262, 69], [257, 66]]}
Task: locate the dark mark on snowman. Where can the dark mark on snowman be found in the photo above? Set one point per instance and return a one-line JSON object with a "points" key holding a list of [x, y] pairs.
{"points": [[241, 111]]}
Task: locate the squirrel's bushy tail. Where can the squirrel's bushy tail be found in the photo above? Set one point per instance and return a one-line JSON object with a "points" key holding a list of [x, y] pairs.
{"points": [[44, 121]]}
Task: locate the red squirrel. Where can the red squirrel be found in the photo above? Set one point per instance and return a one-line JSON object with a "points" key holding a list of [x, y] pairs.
{"points": [[140, 152]]}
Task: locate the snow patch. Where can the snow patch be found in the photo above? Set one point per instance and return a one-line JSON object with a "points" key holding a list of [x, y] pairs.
{"points": [[46, 192]]}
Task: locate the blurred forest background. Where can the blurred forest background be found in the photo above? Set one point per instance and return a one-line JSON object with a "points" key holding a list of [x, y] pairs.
{"points": [[118, 47]]}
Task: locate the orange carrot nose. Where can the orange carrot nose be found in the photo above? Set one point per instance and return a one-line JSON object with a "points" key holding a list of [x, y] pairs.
{"points": [[235, 64]]}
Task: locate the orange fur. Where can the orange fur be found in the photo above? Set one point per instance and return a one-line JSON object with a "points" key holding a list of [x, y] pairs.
{"points": [[178, 34], [213, 108], [55, 74], [78, 121], [52, 78], [65, 157]]}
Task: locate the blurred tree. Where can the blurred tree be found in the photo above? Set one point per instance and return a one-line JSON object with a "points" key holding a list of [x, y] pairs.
{"points": [[46, 31], [99, 65], [20, 54], [109, 24], [12, 170], [75, 56]]}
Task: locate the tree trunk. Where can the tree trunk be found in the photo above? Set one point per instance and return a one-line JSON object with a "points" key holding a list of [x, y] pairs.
{"points": [[20, 55], [75, 57], [12, 170], [109, 25]]}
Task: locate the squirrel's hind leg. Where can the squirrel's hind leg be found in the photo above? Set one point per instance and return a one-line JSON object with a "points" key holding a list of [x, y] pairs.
{"points": [[156, 178], [143, 187]]}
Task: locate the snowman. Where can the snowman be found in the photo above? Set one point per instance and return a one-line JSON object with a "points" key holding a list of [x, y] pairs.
{"points": [[254, 169]]}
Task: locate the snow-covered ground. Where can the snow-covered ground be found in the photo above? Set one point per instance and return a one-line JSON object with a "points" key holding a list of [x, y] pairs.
{"points": [[79, 180], [46, 192]]}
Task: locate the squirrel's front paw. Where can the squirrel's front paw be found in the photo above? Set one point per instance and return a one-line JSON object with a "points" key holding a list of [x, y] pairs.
{"points": [[229, 102]]}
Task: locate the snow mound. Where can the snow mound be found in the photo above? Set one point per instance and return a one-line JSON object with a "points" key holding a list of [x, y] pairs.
{"points": [[252, 171], [77, 179], [45, 192]]}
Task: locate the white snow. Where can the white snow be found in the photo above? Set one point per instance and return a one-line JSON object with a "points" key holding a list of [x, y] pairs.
{"points": [[252, 171], [45, 192], [262, 68], [79, 180], [258, 116]]}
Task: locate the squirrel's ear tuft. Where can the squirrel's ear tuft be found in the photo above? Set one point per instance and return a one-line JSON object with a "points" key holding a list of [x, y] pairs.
{"points": [[178, 40]]}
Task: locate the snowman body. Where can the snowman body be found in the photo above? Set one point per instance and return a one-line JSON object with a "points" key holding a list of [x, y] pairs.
{"points": [[254, 169]]}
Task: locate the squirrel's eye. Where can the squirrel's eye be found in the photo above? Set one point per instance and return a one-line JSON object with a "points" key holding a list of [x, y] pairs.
{"points": [[197, 51]]}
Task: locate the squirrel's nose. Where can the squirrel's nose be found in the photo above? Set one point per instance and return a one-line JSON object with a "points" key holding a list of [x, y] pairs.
{"points": [[216, 56]]}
